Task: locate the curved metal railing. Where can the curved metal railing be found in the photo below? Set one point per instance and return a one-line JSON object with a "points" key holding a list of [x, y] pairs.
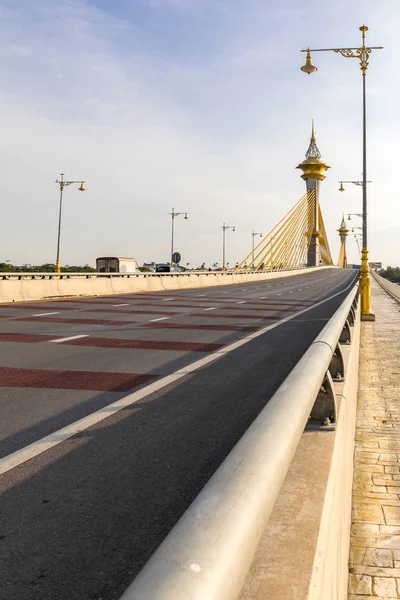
{"points": [[209, 551]]}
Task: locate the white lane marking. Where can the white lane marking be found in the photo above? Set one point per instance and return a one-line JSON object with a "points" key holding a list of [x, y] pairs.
{"points": [[225, 292], [46, 314], [66, 339], [120, 304], [200, 295], [168, 299], [279, 294], [20, 456], [211, 308], [300, 289], [159, 319], [241, 302], [291, 292], [263, 297]]}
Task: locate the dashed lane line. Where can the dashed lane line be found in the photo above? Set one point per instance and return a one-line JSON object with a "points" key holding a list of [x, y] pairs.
{"points": [[46, 314], [211, 308], [67, 339], [24, 454], [159, 319], [120, 305]]}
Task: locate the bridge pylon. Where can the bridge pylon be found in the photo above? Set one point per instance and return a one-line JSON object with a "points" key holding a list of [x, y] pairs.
{"points": [[313, 173], [343, 232]]}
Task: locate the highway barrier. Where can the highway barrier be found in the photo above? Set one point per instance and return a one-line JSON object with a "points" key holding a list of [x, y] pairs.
{"points": [[392, 288], [208, 553], [17, 287]]}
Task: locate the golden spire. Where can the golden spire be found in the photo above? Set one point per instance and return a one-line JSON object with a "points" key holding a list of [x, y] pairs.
{"points": [[313, 167]]}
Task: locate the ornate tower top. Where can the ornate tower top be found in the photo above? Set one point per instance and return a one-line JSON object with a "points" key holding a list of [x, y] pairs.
{"points": [[313, 151], [313, 167], [343, 231]]}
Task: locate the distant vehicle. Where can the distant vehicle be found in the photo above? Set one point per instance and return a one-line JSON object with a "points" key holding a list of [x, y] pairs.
{"points": [[167, 269], [113, 264]]}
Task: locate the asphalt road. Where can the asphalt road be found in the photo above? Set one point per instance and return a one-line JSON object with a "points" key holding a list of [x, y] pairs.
{"points": [[79, 520]]}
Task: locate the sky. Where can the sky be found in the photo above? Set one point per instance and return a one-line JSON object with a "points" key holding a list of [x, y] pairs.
{"points": [[196, 105]]}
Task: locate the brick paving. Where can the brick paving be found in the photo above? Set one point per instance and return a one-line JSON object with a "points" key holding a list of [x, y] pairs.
{"points": [[375, 536]]}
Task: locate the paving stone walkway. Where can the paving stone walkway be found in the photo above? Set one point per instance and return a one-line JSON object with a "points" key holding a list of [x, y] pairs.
{"points": [[375, 535]]}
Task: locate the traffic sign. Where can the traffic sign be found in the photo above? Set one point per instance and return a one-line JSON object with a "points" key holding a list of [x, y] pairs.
{"points": [[176, 258]]}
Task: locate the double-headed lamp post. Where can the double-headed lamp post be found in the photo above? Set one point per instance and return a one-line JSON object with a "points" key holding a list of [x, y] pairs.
{"points": [[173, 215], [253, 235], [362, 54], [62, 183], [224, 228]]}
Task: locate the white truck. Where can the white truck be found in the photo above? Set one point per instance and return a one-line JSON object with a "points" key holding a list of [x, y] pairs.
{"points": [[113, 264]]}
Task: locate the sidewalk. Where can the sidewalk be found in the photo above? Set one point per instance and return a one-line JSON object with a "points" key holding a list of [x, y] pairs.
{"points": [[375, 536]]}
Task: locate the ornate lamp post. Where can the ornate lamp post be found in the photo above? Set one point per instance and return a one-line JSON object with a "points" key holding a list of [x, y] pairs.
{"points": [[62, 183], [362, 54], [224, 228], [173, 215]]}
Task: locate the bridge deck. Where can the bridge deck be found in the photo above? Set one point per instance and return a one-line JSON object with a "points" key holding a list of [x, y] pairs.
{"points": [[375, 536]]}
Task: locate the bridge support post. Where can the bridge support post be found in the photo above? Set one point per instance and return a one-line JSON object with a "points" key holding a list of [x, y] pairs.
{"points": [[365, 288]]}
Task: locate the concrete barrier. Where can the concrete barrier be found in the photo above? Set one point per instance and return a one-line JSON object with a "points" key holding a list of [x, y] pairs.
{"points": [[47, 286], [329, 579]]}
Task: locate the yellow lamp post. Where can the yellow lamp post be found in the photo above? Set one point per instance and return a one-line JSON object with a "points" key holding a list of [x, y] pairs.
{"points": [[62, 183], [362, 54]]}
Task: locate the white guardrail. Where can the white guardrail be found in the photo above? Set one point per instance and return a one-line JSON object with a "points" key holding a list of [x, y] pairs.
{"points": [[392, 288], [208, 553], [142, 275]]}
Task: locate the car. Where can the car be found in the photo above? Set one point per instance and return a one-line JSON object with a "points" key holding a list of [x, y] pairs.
{"points": [[163, 269]]}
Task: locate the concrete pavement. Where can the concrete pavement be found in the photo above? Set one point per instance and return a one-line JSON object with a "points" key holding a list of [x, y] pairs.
{"points": [[375, 540]]}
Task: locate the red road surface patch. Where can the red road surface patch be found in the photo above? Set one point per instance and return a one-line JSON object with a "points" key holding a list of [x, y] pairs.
{"points": [[194, 326], [265, 308], [221, 315], [75, 321], [25, 338], [144, 344], [54, 306], [72, 380], [136, 312]]}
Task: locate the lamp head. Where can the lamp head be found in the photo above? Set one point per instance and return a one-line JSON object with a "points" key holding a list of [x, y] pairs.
{"points": [[349, 217], [233, 228], [82, 186], [341, 189], [309, 67], [185, 217]]}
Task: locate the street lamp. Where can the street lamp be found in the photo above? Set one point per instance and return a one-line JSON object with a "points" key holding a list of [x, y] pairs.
{"points": [[253, 234], [62, 183], [361, 183], [224, 228], [362, 54], [353, 215], [173, 215]]}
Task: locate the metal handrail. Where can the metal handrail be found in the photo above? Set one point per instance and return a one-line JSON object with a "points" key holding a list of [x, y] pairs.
{"points": [[209, 551]]}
